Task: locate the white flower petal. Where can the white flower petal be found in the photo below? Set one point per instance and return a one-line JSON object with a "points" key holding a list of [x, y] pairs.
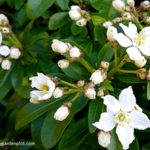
{"points": [[112, 104], [134, 53], [123, 40], [145, 50], [139, 120], [145, 31], [130, 31], [106, 122], [127, 99], [125, 135]]}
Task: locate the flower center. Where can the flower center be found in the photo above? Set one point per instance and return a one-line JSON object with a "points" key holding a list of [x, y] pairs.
{"points": [[139, 39], [44, 88]]}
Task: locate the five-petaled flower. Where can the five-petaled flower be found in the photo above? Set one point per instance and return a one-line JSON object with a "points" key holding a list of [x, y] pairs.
{"points": [[124, 115], [135, 42], [45, 88]]}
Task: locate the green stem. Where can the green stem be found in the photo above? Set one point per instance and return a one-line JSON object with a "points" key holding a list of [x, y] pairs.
{"points": [[128, 71], [68, 84], [86, 65], [75, 97], [115, 56], [70, 91], [116, 69]]}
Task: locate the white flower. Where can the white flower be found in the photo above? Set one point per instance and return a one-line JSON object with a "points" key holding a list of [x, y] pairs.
{"points": [[6, 64], [131, 3], [104, 138], [75, 12], [60, 47], [123, 115], [44, 87], [4, 50], [141, 62], [111, 33], [58, 92], [98, 76], [90, 93], [134, 41], [119, 5], [81, 22], [74, 52], [107, 24], [14, 53], [62, 113], [3, 20], [63, 63]]}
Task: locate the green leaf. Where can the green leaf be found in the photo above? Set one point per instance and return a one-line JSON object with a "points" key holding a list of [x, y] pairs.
{"points": [[30, 112], [95, 109], [97, 20], [52, 129], [58, 20], [35, 8], [74, 135], [106, 53], [135, 145], [148, 90], [63, 4]]}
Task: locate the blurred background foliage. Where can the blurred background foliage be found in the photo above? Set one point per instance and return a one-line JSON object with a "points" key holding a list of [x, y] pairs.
{"points": [[36, 23]]}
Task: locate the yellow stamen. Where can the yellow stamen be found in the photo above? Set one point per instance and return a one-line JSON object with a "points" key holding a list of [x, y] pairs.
{"points": [[44, 88]]}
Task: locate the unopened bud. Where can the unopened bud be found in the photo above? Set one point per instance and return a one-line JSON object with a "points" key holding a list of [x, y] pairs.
{"points": [[4, 50], [75, 52], [104, 65], [111, 33], [131, 3], [145, 5], [117, 20], [62, 113], [5, 30], [14, 53], [147, 19], [141, 62], [142, 73], [3, 20], [63, 63], [100, 92], [6, 64], [58, 92], [126, 16], [60, 47], [107, 24], [119, 5], [98, 76], [104, 138], [80, 83], [90, 93], [81, 22]]}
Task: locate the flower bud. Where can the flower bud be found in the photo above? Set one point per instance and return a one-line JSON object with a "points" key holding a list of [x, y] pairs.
{"points": [[119, 5], [147, 19], [107, 24], [5, 30], [117, 20], [81, 22], [4, 50], [141, 62], [104, 138], [3, 20], [75, 52], [75, 12], [142, 73], [126, 16], [14, 53], [98, 76], [104, 65], [145, 5], [58, 92], [60, 47], [6, 64], [131, 3], [111, 33], [90, 93], [63, 63], [80, 83], [100, 92], [62, 113]]}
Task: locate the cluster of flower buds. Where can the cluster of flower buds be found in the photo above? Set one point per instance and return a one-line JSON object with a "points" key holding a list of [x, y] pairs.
{"points": [[70, 52], [80, 16], [45, 88], [145, 5], [63, 112], [97, 77]]}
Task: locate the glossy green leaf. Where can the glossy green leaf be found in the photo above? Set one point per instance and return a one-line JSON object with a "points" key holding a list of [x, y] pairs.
{"points": [[97, 20], [95, 109], [63, 4], [74, 135], [35, 8], [52, 129], [30, 112], [135, 145], [58, 20]]}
